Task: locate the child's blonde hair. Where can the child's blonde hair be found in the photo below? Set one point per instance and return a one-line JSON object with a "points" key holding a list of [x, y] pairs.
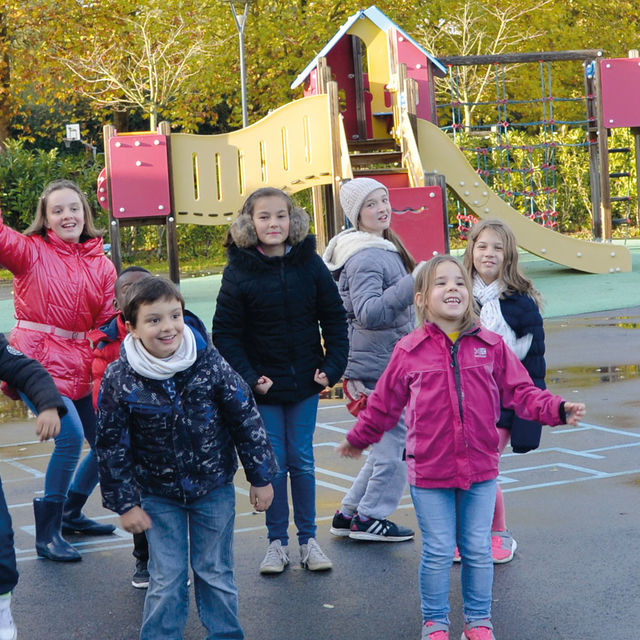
{"points": [[423, 284], [510, 274]]}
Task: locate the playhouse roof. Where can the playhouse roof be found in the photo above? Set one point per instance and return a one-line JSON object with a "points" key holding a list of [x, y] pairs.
{"points": [[382, 22]]}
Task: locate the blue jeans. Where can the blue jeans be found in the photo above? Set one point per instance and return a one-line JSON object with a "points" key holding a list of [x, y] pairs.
{"points": [[77, 424], [447, 516], [8, 570], [290, 429], [204, 528]]}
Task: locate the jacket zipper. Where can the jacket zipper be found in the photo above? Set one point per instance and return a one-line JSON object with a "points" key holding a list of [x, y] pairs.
{"points": [[456, 374]]}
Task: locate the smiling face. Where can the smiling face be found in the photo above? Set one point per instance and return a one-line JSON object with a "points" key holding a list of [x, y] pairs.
{"points": [[271, 219], [65, 214], [446, 300], [159, 326], [375, 213], [488, 255]]}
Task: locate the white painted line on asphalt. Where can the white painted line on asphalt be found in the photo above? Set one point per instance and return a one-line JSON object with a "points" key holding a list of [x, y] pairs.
{"points": [[36, 473], [544, 485]]}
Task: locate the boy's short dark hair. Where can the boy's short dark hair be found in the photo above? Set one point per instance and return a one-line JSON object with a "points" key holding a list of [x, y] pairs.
{"points": [[132, 269], [147, 291]]}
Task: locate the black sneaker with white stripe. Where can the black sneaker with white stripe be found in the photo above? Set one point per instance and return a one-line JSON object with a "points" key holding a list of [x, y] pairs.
{"points": [[378, 530]]}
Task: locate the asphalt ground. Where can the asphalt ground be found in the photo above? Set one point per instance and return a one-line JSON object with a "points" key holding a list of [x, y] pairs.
{"points": [[573, 506]]}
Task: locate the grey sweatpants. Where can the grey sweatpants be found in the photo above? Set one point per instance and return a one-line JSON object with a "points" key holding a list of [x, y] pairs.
{"points": [[379, 486]]}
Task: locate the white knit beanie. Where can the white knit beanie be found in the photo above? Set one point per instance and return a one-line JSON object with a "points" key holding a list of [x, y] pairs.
{"points": [[353, 194]]}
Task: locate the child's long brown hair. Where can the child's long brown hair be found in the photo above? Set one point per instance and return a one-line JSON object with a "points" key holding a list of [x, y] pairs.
{"points": [[423, 284], [407, 259], [511, 275]]}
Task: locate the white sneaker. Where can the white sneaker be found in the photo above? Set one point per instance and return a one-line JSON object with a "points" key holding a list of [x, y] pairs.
{"points": [[276, 558], [313, 558], [8, 629]]}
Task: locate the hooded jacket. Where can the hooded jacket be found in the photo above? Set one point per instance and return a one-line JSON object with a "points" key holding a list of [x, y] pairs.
{"points": [[177, 438], [377, 293], [268, 318], [452, 393], [59, 284]]}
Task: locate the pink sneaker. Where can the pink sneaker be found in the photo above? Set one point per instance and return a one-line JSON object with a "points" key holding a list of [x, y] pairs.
{"points": [[503, 546], [478, 630], [434, 631]]}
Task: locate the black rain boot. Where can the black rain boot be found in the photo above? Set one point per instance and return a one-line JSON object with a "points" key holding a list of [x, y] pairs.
{"points": [[73, 520], [49, 542]]}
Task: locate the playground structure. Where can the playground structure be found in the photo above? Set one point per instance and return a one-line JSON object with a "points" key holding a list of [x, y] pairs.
{"points": [[369, 109]]}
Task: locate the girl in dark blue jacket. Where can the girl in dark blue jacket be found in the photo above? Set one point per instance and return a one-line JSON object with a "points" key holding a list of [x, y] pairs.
{"points": [[510, 306], [280, 323]]}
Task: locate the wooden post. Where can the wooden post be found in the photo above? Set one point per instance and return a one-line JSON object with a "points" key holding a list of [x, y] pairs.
{"points": [[334, 216], [591, 94], [164, 128], [439, 180], [108, 131], [603, 148], [361, 113]]}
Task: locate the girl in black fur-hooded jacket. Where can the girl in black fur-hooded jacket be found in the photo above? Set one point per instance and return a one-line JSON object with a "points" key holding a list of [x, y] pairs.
{"points": [[280, 323]]}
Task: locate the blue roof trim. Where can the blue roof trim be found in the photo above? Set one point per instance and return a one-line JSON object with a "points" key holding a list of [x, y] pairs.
{"points": [[382, 22]]}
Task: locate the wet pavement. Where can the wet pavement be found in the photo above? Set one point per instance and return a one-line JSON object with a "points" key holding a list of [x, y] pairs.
{"points": [[573, 506]]}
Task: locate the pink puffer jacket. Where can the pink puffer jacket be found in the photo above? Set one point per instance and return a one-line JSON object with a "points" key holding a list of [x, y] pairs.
{"points": [[452, 394], [64, 285]]}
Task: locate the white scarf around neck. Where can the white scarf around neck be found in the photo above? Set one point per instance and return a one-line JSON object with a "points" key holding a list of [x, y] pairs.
{"points": [[149, 366], [488, 295]]}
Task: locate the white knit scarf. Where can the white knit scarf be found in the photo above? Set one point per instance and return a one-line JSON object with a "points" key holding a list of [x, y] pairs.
{"points": [[488, 295], [149, 366]]}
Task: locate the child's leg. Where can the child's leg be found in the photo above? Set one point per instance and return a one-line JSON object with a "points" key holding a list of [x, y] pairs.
{"points": [[66, 452], [167, 601], [436, 513], [389, 475], [8, 570], [86, 476], [211, 521], [277, 515], [474, 512], [499, 520], [300, 421]]}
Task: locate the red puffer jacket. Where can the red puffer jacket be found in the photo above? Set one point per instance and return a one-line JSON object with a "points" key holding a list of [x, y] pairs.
{"points": [[64, 285]]}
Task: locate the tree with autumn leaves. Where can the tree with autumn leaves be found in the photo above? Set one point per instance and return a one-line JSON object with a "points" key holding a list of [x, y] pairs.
{"points": [[113, 60]]}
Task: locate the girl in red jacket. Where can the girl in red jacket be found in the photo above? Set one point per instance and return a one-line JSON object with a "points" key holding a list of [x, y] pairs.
{"points": [[452, 375], [63, 288]]}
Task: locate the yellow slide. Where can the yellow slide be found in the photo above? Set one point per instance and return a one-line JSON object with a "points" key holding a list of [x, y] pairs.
{"points": [[439, 154]]}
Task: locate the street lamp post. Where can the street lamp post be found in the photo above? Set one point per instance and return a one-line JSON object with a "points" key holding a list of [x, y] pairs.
{"points": [[241, 21]]}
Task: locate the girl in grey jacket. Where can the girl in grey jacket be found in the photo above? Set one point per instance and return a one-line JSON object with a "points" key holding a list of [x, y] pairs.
{"points": [[374, 274]]}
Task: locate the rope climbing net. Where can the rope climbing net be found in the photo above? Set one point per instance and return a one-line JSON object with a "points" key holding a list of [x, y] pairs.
{"points": [[515, 143]]}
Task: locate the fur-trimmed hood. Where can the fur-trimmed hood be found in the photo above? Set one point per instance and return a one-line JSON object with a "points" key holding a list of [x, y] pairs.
{"points": [[253, 260], [348, 243], [243, 231]]}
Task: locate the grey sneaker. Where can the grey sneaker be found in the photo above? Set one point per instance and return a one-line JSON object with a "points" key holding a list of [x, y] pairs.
{"points": [[312, 556], [7, 627], [276, 558]]}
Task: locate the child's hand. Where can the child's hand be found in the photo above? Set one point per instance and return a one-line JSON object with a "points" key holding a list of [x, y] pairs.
{"points": [[346, 450], [135, 520], [261, 497], [321, 378], [263, 385], [575, 412], [47, 424]]}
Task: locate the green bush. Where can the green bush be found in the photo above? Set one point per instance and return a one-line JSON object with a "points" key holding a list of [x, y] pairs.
{"points": [[25, 172]]}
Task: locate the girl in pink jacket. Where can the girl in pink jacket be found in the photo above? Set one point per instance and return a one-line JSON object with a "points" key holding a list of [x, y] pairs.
{"points": [[452, 375], [63, 288]]}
